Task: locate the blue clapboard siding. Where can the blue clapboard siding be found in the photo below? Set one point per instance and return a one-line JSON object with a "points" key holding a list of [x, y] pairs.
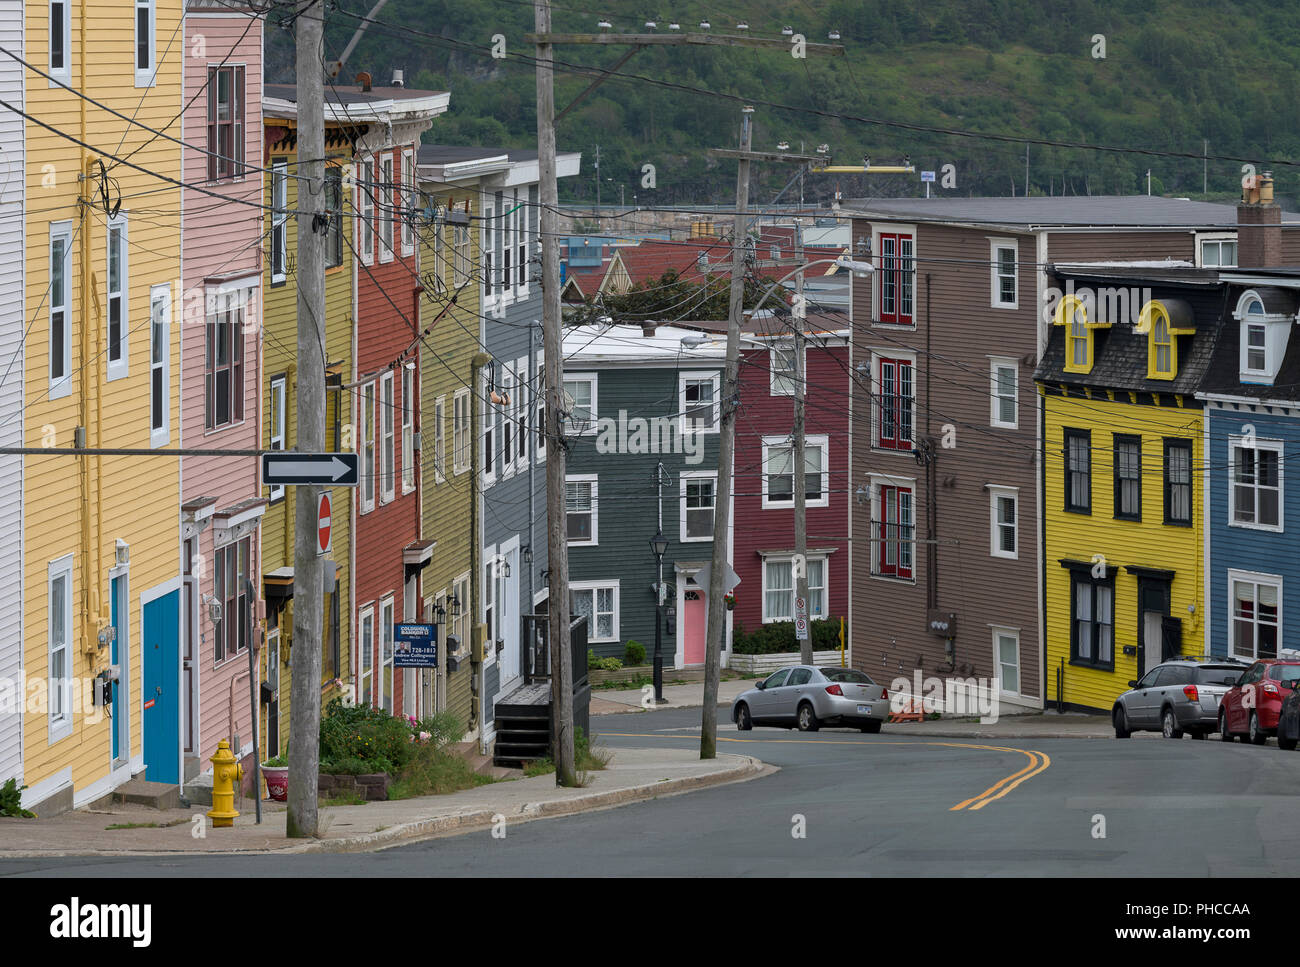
{"points": [[1249, 549]]}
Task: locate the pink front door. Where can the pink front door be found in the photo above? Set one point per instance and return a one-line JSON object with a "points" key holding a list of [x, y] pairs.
{"points": [[695, 618]]}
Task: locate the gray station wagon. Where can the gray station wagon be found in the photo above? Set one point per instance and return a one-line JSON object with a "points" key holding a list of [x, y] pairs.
{"points": [[1177, 696]]}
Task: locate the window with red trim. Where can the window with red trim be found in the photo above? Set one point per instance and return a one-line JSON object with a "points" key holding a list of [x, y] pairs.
{"points": [[895, 280], [894, 394], [894, 532]]}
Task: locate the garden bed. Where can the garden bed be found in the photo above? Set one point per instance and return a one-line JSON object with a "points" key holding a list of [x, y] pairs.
{"points": [[766, 664]]}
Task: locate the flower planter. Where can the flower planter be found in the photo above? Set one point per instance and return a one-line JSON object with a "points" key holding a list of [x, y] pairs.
{"points": [[277, 782], [770, 662]]}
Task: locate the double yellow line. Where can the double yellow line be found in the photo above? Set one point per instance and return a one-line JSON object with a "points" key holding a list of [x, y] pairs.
{"points": [[1038, 761]]}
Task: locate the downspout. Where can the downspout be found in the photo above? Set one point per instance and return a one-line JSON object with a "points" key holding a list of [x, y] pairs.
{"points": [[475, 546], [532, 465], [931, 473]]}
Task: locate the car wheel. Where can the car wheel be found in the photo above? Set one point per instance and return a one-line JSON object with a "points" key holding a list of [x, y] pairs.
{"points": [[743, 722], [873, 726], [1169, 725], [1256, 734], [807, 718], [1224, 734], [1121, 722], [1283, 742]]}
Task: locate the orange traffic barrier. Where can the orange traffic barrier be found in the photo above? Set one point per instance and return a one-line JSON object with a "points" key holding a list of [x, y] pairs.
{"points": [[912, 710]]}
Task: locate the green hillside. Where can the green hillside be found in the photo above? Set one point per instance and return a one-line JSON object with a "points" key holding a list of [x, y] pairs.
{"points": [[1175, 73]]}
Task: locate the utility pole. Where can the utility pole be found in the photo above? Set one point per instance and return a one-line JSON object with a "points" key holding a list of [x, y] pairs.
{"points": [[597, 186], [553, 352], [800, 470], [308, 571]]}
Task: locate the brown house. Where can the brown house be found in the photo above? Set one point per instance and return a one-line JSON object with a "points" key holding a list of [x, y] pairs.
{"points": [[947, 569]]}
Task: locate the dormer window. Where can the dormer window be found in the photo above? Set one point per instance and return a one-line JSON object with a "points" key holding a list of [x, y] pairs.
{"points": [[1072, 313], [1162, 321], [1265, 328]]}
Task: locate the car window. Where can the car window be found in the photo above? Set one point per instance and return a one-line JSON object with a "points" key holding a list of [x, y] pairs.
{"points": [[1176, 675], [1149, 679], [1284, 673], [1218, 675], [846, 675], [1253, 674], [800, 676], [777, 679]]}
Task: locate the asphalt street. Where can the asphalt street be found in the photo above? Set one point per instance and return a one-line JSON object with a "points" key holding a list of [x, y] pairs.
{"points": [[849, 804]]}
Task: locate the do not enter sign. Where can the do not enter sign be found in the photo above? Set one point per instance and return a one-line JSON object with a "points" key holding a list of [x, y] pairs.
{"points": [[323, 528]]}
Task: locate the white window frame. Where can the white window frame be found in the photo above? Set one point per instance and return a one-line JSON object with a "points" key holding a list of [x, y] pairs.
{"points": [[995, 397], [486, 247], [385, 431], [593, 587], [1236, 442], [593, 380], [144, 76], [161, 295], [487, 431], [439, 439], [996, 246], [877, 395], [686, 477], [462, 266], [539, 408], [62, 385], [715, 379], [63, 73], [279, 220], [594, 480], [1000, 632], [461, 431], [879, 481], [523, 265], [279, 411], [522, 405], [1256, 578], [824, 589], [60, 723], [366, 209], [996, 493], [121, 367], [367, 613], [783, 382], [878, 276], [819, 441], [369, 397], [387, 604], [507, 443], [408, 202], [387, 223], [1218, 238], [410, 399]]}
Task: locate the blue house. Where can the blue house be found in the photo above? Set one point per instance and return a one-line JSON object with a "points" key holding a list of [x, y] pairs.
{"points": [[1252, 414], [642, 459]]}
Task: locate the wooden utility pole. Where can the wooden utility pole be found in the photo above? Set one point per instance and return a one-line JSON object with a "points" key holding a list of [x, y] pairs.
{"points": [[308, 570], [800, 563], [553, 352]]}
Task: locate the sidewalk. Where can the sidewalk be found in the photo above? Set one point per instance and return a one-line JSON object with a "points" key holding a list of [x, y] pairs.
{"points": [[632, 775], [691, 695]]}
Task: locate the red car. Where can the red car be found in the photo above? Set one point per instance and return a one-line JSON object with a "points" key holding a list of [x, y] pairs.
{"points": [[1252, 706]]}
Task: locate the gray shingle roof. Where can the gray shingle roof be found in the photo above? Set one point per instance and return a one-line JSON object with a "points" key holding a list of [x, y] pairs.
{"points": [[1128, 211]]}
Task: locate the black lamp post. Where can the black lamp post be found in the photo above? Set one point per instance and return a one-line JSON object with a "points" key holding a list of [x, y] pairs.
{"points": [[659, 544]]}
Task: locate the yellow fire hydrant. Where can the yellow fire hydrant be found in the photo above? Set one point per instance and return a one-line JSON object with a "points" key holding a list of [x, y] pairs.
{"points": [[226, 771]]}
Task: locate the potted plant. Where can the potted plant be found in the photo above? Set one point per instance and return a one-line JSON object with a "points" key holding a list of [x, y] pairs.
{"points": [[276, 773], [729, 599]]}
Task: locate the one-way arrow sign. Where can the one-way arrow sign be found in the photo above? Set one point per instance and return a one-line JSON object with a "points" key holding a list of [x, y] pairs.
{"points": [[318, 469]]}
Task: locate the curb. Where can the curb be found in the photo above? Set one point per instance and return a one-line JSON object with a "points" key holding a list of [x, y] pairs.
{"points": [[749, 768], [1003, 735]]}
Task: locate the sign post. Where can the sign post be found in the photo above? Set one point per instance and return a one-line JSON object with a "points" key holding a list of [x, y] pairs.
{"points": [[801, 619], [285, 467], [324, 527]]}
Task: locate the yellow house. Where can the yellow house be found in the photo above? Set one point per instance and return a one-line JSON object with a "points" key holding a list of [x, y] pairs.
{"points": [[280, 413], [1124, 532], [449, 256], [102, 533]]}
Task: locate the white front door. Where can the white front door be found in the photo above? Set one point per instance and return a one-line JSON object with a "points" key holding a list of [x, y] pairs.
{"points": [[508, 622]]}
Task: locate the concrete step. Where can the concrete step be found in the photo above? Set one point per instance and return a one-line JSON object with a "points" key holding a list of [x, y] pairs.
{"points": [[199, 790], [142, 792], [193, 766]]}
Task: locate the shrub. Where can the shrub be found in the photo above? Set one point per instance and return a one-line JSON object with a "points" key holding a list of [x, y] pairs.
{"points": [[278, 762], [634, 653], [446, 727], [11, 800], [350, 767], [376, 738], [778, 636], [606, 664]]}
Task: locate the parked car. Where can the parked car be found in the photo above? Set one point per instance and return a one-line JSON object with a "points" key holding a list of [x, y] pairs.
{"points": [[1288, 723], [805, 697], [1251, 708], [1177, 696]]}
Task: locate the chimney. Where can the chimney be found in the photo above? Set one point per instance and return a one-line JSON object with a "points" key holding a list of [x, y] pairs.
{"points": [[648, 328], [399, 78], [1259, 224], [363, 81]]}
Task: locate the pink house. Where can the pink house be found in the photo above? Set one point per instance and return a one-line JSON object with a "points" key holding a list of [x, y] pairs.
{"points": [[221, 258]]}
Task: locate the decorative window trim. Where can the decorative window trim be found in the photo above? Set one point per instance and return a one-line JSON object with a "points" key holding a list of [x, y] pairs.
{"points": [[439, 439], [1068, 434], [369, 397], [238, 133], [1117, 486], [406, 211], [813, 615], [1064, 316], [410, 401], [819, 441], [384, 666], [462, 431], [385, 433], [901, 486], [1170, 444], [366, 210], [898, 318], [1083, 575], [365, 644], [387, 205], [996, 246], [689, 427], [897, 443], [1256, 578], [995, 397], [121, 367], [1235, 442], [685, 477], [594, 480], [997, 492], [594, 587]]}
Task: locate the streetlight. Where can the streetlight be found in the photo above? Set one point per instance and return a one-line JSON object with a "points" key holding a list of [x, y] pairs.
{"points": [[659, 544]]}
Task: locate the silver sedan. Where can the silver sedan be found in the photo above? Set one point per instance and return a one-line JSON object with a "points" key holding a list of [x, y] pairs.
{"points": [[807, 697]]}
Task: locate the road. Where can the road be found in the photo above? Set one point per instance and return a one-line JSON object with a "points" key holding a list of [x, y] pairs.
{"points": [[847, 804]]}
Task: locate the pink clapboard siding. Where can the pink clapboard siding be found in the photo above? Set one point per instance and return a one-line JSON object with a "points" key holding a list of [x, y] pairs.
{"points": [[220, 240]]}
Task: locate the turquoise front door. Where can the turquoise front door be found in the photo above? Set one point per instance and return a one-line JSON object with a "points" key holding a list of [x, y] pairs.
{"points": [[160, 710]]}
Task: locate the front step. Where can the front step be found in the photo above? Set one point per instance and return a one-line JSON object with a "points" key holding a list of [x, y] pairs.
{"points": [[198, 790], [141, 792]]}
